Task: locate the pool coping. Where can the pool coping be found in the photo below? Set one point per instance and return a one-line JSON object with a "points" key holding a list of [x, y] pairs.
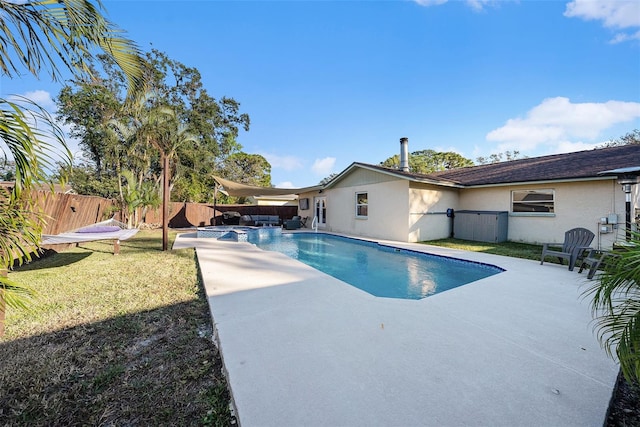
{"points": [[303, 348]]}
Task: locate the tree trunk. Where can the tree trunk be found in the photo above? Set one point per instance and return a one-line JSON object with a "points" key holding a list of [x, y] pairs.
{"points": [[165, 202]]}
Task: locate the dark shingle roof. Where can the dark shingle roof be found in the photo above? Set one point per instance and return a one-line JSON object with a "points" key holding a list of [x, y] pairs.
{"points": [[558, 167], [568, 166]]}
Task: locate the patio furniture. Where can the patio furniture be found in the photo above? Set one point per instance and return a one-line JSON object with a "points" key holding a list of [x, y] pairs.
{"points": [[110, 229], [260, 220], [594, 260], [576, 241], [293, 223]]}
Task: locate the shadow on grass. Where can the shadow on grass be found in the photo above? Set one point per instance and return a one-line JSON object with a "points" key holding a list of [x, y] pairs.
{"points": [[47, 260], [156, 367]]}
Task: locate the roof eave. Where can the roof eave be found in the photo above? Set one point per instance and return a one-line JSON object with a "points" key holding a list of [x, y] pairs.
{"points": [[354, 165], [546, 181]]}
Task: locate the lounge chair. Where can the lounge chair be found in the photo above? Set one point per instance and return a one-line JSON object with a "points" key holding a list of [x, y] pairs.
{"points": [[594, 260], [576, 241], [293, 223]]}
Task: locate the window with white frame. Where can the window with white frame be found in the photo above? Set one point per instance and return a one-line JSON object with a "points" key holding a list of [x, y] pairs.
{"points": [[362, 205], [539, 201]]}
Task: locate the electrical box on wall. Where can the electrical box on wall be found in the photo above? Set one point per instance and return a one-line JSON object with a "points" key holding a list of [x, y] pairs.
{"points": [[608, 223]]}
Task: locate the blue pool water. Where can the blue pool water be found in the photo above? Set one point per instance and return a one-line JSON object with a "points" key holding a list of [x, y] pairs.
{"points": [[380, 270]]}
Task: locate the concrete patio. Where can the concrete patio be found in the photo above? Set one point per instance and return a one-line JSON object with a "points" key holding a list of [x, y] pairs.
{"points": [[304, 349]]}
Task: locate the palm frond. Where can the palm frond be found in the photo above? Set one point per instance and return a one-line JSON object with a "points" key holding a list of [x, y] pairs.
{"points": [[616, 308], [38, 35], [14, 295]]}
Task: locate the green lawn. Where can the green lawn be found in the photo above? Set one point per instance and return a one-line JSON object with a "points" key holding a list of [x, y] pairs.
{"points": [[113, 340], [512, 249]]}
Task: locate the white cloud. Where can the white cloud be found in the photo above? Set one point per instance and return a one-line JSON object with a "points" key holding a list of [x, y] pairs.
{"points": [[477, 5], [288, 163], [623, 37], [614, 14], [570, 147], [558, 123], [618, 14], [431, 2], [286, 184], [323, 167], [42, 98]]}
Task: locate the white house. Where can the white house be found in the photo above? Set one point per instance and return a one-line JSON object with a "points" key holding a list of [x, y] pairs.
{"points": [[534, 200]]}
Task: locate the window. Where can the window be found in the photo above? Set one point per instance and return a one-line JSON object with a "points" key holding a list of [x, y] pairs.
{"points": [[362, 205], [304, 204], [532, 201]]}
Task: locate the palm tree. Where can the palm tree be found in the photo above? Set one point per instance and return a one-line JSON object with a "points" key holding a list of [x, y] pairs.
{"points": [[21, 222], [47, 35], [162, 130], [153, 124], [616, 308]]}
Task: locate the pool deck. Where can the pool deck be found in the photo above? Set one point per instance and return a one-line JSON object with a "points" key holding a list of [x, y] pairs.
{"points": [[304, 349]]}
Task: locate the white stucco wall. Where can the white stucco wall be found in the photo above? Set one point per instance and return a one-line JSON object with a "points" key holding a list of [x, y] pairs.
{"points": [[409, 211], [579, 204], [428, 206], [307, 212], [387, 210]]}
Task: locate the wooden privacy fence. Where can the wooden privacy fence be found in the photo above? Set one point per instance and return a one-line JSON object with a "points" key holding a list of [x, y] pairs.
{"points": [[66, 212]]}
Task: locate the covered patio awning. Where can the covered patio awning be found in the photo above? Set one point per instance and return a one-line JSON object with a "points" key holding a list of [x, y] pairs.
{"points": [[242, 190]]}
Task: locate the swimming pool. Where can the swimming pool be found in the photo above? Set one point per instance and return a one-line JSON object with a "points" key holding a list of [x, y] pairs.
{"points": [[380, 270]]}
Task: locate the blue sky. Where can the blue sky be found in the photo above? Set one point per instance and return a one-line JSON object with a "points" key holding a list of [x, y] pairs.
{"points": [[327, 83]]}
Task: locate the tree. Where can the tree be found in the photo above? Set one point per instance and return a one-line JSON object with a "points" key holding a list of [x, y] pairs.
{"points": [[88, 110], [158, 126], [7, 170], [83, 179], [507, 156], [215, 123], [616, 308], [37, 36], [250, 169], [429, 161], [632, 137], [327, 179]]}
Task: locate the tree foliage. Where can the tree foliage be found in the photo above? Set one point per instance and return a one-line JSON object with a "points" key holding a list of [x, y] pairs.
{"points": [[632, 137], [429, 161], [214, 124], [506, 156], [53, 35]]}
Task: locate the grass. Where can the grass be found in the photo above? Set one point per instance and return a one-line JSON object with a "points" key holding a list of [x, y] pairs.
{"points": [[113, 340], [512, 249]]}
